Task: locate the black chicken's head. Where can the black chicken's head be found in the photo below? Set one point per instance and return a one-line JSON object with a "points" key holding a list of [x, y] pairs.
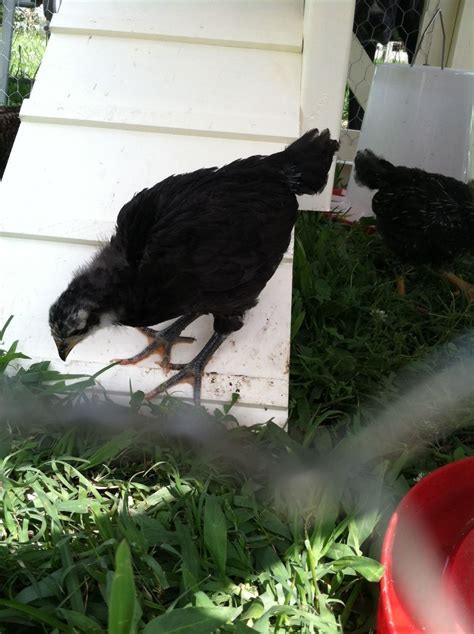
{"points": [[84, 307], [375, 21]]}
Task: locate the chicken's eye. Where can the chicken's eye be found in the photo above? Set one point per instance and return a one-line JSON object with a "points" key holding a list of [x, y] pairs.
{"points": [[77, 333]]}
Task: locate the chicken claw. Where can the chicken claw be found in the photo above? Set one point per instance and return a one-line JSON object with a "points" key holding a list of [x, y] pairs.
{"points": [[462, 285], [162, 341], [190, 372]]}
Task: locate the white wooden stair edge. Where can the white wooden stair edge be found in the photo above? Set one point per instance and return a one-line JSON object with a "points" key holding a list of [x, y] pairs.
{"points": [[119, 164], [268, 24], [168, 86], [252, 128]]}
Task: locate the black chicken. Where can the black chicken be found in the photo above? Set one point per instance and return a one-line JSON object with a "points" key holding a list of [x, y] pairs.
{"points": [[197, 243], [9, 124], [423, 218]]}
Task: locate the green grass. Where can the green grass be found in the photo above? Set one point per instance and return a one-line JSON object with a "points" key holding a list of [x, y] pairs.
{"points": [[351, 330], [115, 522], [28, 47], [345, 107]]}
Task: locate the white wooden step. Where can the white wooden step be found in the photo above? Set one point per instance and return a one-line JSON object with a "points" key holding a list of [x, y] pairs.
{"points": [[145, 84], [82, 176], [253, 361], [271, 24]]}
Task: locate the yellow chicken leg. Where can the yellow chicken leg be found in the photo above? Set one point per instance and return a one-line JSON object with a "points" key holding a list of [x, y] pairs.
{"points": [[465, 287], [401, 285]]}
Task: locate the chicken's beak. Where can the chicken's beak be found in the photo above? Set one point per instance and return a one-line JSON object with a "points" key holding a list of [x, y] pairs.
{"points": [[65, 346]]}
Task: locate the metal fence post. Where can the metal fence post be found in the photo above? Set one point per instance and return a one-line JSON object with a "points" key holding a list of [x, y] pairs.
{"points": [[6, 46]]}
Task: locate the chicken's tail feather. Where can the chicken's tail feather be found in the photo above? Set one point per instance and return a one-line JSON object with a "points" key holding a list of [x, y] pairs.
{"points": [[372, 171], [307, 161]]}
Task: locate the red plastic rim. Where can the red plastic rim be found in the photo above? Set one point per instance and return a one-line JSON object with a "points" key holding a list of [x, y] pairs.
{"points": [[428, 555]]}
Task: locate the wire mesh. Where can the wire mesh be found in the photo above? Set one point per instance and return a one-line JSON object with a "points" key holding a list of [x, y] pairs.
{"points": [[22, 45], [384, 31]]}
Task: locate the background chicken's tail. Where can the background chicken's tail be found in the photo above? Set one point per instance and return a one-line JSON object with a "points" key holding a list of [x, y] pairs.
{"points": [[307, 161], [371, 170]]}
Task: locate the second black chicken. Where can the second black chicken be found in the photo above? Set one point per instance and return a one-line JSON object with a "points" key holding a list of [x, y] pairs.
{"points": [[197, 243], [423, 218]]}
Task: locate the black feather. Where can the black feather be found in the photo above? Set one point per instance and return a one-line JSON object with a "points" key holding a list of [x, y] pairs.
{"points": [[204, 242], [423, 217], [9, 124]]}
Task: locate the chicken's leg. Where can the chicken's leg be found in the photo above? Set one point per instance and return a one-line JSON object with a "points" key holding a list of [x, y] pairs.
{"points": [[465, 287], [162, 341], [192, 371], [401, 285]]}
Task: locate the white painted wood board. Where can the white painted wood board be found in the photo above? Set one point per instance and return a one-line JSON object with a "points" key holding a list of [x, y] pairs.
{"points": [[169, 85], [253, 361], [362, 72], [83, 175], [461, 54], [327, 36], [269, 24]]}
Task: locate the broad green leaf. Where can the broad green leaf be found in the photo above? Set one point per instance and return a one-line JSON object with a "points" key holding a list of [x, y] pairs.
{"points": [[369, 568], [190, 621], [238, 628], [78, 506], [122, 596], [201, 600], [71, 579], [253, 610], [10, 355], [191, 566], [34, 614], [81, 622], [269, 561], [274, 524], [48, 587], [215, 532], [296, 324], [241, 628], [158, 571], [110, 449]]}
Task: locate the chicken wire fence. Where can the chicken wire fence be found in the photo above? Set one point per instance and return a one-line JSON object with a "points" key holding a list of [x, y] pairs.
{"points": [[384, 31], [24, 26]]}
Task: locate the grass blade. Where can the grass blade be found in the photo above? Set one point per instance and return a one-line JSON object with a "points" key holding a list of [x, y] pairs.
{"points": [[35, 615], [123, 596], [72, 582], [5, 326], [190, 621], [369, 568], [215, 532], [81, 622]]}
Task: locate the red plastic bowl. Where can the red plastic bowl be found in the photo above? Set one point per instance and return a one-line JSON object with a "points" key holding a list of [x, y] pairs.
{"points": [[428, 554]]}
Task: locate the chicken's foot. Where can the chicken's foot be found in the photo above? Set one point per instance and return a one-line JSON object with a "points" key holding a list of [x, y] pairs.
{"points": [[190, 372], [162, 341], [458, 282], [401, 285]]}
